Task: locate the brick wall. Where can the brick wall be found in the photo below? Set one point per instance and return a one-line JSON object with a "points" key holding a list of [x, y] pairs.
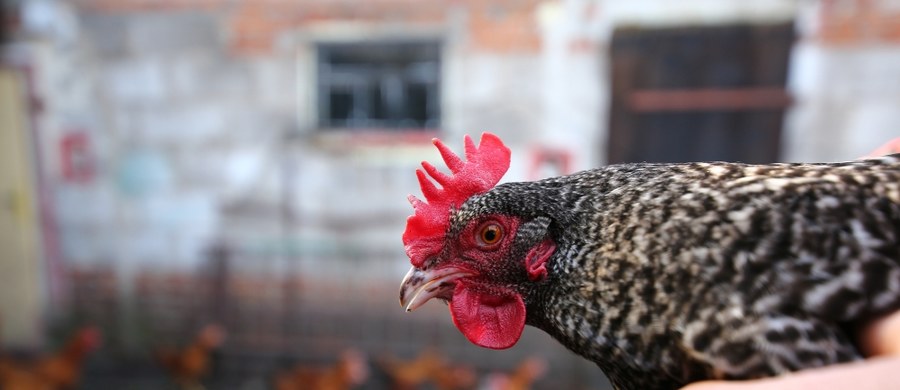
{"points": [[504, 26], [855, 22], [254, 27]]}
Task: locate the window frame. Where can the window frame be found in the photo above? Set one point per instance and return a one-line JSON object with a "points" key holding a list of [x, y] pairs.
{"points": [[378, 76]]}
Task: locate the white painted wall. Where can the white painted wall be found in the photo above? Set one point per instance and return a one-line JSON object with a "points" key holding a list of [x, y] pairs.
{"points": [[215, 125]]}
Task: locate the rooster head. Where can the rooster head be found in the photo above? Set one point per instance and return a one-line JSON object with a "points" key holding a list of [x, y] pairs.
{"points": [[475, 256], [85, 340]]}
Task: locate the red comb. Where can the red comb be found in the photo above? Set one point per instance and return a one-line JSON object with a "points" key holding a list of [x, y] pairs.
{"points": [[483, 168]]}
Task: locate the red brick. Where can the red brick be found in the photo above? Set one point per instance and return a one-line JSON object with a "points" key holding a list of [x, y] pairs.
{"points": [[149, 5], [254, 25], [888, 28], [848, 22], [504, 26]]}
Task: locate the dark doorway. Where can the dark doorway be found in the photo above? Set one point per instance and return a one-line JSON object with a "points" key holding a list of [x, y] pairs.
{"points": [[699, 93]]}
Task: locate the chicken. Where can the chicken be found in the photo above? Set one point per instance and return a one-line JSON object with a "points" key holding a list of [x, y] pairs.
{"points": [[661, 274], [454, 377], [521, 378], [61, 370], [431, 367], [350, 371], [190, 364], [414, 373], [14, 377]]}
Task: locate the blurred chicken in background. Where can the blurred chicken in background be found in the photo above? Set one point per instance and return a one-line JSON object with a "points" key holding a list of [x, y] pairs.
{"points": [[429, 367], [60, 370], [349, 371], [410, 374], [454, 378], [521, 378], [189, 365]]}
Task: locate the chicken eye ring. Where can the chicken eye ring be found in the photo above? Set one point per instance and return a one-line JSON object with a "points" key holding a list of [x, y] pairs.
{"points": [[489, 235]]}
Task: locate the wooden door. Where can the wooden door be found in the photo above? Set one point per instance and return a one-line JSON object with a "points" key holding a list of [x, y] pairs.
{"points": [[699, 93]]}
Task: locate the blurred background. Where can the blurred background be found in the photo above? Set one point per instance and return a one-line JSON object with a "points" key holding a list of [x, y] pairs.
{"points": [[213, 191]]}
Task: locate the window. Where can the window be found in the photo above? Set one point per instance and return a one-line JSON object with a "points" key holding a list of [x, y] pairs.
{"points": [[393, 85]]}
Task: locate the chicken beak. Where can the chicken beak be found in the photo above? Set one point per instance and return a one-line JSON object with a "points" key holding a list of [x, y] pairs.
{"points": [[419, 285]]}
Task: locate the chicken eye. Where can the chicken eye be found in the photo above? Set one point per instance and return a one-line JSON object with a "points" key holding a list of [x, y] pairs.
{"points": [[490, 234]]}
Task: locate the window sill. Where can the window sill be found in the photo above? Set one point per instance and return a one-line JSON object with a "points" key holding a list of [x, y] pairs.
{"points": [[372, 138]]}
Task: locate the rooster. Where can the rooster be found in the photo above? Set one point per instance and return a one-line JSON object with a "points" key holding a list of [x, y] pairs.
{"points": [[429, 366], [350, 371], [189, 365], [61, 370], [521, 378], [661, 274], [414, 373]]}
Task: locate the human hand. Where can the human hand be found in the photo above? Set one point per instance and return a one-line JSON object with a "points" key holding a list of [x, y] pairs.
{"points": [[879, 340]]}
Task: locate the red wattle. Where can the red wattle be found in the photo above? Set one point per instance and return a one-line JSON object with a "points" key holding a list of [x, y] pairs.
{"points": [[492, 321]]}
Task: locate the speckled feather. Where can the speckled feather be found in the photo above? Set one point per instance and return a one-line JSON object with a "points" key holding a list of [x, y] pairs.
{"points": [[667, 274]]}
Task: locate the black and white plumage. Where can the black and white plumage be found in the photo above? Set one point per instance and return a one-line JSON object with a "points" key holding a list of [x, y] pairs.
{"points": [[666, 274]]}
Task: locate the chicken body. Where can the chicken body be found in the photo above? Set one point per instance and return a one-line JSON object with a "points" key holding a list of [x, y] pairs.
{"points": [[350, 371], [413, 374], [60, 370], [429, 366], [189, 365], [521, 378], [666, 274]]}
